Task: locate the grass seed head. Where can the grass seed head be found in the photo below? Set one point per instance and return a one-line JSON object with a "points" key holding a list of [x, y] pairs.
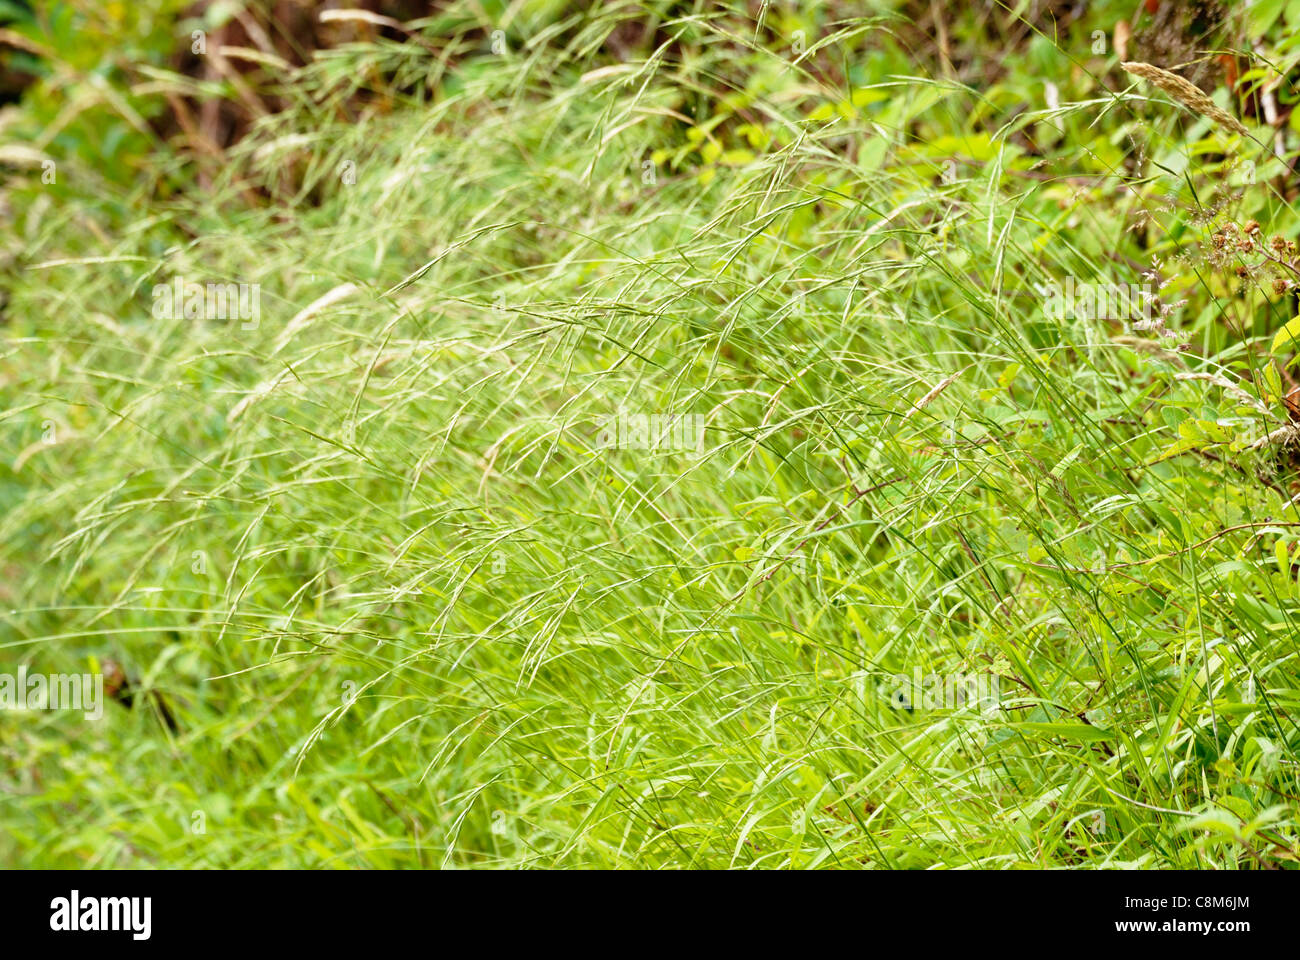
{"points": [[1186, 93]]}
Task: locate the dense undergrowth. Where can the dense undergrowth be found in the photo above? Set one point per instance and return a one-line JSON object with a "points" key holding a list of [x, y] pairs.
{"points": [[404, 603]]}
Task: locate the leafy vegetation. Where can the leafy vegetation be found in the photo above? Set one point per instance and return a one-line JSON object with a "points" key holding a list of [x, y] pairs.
{"points": [[391, 591]]}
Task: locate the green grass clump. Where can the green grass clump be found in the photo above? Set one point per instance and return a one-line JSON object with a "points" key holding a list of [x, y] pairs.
{"points": [[408, 608]]}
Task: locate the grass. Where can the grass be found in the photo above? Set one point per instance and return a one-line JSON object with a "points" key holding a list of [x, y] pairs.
{"points": [[408, 611]]}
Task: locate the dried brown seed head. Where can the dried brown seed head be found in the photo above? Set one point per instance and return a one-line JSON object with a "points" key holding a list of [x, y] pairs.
{"points": [[1186, 93]]}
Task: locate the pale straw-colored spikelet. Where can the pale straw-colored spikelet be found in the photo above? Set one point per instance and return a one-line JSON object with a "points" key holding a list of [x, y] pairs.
{"points": [[1186, 93]]}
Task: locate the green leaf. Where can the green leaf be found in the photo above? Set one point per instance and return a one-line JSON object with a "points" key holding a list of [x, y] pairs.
{"points": [[737, 158], [1273, 380], [1214, 820], [1059, 470], [1288, 336], [1073, 731], [1262, 15]]}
